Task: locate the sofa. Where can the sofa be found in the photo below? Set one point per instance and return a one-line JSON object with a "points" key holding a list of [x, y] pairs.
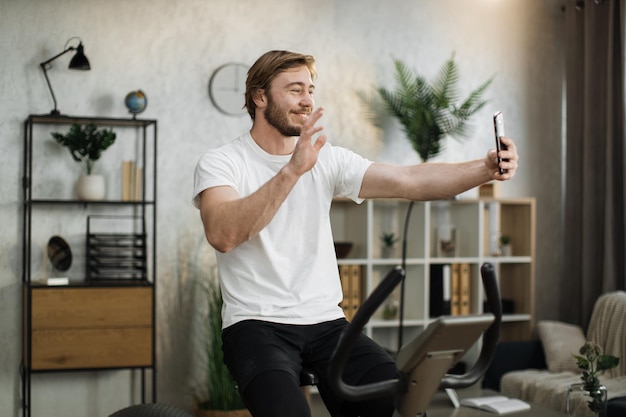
{"points": [[540, 371]]}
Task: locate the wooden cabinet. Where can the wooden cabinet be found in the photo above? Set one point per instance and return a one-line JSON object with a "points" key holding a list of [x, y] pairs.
{"points": [[104, 318], [89, 327], [474, 226]]}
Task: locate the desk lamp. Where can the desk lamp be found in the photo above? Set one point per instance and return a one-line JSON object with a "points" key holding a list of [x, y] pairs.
{"points": [[79, 62]]}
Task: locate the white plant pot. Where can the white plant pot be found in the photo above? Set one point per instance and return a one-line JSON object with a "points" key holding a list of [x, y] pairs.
{"points": [[91, 188]]}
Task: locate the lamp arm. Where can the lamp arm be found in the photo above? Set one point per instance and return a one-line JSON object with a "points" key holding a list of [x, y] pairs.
{"points": [[45, 73], [71, 48]]}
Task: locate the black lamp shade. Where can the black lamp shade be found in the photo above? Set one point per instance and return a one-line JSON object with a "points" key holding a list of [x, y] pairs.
{"points": [[79, 60]]}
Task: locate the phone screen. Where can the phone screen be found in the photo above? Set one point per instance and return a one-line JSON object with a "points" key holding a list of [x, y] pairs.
{"points": [[498, 125]]}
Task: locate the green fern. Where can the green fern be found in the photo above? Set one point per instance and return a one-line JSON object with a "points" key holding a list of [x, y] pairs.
{"points": [[220, 391], [428, 112]]}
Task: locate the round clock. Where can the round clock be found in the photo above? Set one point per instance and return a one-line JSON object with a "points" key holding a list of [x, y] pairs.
{"points": [[227, 88]]}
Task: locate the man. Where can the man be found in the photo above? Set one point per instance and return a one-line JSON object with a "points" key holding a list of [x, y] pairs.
{"points": [[264, 200]]}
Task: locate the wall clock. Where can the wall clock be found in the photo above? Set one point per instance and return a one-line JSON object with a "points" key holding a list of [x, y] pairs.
{"points": [[227, 87]]}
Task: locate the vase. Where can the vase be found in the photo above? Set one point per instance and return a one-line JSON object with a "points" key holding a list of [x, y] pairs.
{"points": [[388, 252], [579, 399], [90, 188], [222, 413]]}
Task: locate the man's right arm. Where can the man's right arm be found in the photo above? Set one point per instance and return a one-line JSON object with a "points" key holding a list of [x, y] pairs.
{"points": [[230, 220]]}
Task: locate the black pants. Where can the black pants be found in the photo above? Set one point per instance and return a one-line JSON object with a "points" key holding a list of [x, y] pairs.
{"points": [[266, 358]]}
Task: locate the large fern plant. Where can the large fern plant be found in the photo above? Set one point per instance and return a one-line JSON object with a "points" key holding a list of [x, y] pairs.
{"points": [[429, 111]]}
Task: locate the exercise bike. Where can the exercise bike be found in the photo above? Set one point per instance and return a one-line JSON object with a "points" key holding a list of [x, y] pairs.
{"points": [[423, 363]]}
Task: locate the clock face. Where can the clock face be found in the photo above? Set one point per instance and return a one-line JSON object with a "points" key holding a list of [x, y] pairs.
{"points": [[227, 88]]}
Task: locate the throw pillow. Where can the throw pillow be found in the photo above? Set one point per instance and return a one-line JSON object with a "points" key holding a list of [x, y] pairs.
{"points": [[560, 341]]}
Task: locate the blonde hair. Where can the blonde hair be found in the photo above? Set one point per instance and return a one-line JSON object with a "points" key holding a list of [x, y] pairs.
{"points": [[268, 66]]}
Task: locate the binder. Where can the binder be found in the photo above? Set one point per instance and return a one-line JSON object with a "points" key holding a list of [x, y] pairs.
{"points": [[440, 290], [464, 290], [344, 277], [355, 289], [455, 303]]}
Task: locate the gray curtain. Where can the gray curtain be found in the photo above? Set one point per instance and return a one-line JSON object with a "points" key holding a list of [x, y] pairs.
{"points": [[594, 219]]}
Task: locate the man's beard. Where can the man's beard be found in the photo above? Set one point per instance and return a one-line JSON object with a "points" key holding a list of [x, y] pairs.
{"points": [[278, 119]]}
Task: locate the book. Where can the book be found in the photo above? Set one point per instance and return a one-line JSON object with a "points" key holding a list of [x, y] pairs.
{"points": [[128, 170], [137, 186], [497, 404]]}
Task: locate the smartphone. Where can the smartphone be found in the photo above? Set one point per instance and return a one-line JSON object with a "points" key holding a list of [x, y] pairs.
{"points": [[498, 126]]}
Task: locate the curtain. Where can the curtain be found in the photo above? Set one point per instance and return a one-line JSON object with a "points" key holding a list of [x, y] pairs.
{"points": [[594, 221]]}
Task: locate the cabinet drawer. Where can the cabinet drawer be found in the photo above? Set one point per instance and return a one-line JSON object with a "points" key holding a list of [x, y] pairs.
{"points": [[102, 307], [90, 327], [91, 348]]}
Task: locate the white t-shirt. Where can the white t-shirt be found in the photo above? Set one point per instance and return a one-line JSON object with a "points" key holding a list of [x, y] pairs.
{"points": [[288, 272]]}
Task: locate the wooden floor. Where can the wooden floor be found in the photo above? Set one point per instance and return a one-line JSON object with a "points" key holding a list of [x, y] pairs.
{"points": [[318, 409]]}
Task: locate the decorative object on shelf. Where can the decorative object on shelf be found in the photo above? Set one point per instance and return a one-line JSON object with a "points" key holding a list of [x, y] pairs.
{"points": [[427, 111], [86, 146], [493, 213], [218, 395], [60, 256], [489, 190], [78, 62], [342, 249], [390, 311], [59, 253], [506, 247], [446, 233], [227, 87], [389, 241], [116, 248], [592, 361], [136, 102]]}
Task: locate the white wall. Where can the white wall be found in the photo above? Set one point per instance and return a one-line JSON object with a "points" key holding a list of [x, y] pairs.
{"points": [[169, 49]]}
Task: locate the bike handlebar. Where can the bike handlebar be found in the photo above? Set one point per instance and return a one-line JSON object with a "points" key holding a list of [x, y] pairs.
{"points": [[396, 386]]}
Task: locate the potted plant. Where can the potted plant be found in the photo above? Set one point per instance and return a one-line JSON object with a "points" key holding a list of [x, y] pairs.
{"points": [[86, 144], [592, 360], [389, 240], [506, 247], [428, 111], [218, 395]]}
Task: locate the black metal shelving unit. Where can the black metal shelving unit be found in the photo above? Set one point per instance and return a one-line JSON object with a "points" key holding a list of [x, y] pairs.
{"points": [[144, 207]]}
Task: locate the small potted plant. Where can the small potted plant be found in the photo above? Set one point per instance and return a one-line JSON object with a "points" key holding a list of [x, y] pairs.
{"points": [[505, 246], [86, 144], [389, 240]]}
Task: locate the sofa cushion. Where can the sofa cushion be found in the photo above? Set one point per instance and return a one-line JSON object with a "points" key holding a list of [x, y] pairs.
{"points": [[560, 341]]}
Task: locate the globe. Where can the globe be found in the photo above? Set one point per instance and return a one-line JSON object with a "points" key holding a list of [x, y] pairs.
{"points": [[136, 101]]}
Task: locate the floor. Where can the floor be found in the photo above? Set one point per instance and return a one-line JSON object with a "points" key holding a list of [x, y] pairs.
{"points": [[317, 406]]}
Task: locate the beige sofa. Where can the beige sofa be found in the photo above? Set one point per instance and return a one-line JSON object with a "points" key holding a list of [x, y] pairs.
{"points": [[549, 386]]}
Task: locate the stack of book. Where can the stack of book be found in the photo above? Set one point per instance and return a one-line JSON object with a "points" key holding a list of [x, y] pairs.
{"points": [[132, 180], [450, 289]]}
